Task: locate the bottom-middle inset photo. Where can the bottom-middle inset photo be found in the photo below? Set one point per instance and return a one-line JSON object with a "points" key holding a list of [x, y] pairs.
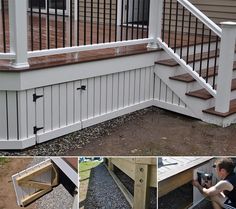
{"points": [[117, 182]]}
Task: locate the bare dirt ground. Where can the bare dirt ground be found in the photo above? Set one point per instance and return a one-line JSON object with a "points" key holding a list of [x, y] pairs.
{"points": [[160, 132], [148, 132], [7, 193]]}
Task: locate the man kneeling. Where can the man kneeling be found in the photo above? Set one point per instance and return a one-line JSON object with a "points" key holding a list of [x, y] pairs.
{"points": [[223, 194]]}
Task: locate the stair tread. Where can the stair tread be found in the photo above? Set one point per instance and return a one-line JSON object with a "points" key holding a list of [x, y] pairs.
{"points": [[173, 63], [204, 94], [188, 78], [232, 110]]}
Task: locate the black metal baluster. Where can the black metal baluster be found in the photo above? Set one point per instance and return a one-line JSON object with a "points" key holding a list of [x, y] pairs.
{"points": [[182, 34], [132, 30], [98, 17], [48, 26], [215, 63], [176, 25], [110, 13], [56, 29], [143, 19], [127, 21], [163, 20], [31, 23], [40, 26], [208, 55], [122, 17], [71, 23], [138, 14], [195, 44], [189, 31], [78, 23], [116, 20], [104, 22], [148, 11], [85, 11], [63, 24], [169, 31], [202, 46], [91, 24]]}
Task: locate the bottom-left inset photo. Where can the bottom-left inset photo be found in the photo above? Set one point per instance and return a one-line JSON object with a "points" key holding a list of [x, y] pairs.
{"points": [[39, 183]]}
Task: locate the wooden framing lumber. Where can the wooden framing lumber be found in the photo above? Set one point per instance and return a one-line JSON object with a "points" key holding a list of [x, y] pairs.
{"points": [[141, 186], [144, 173], [31, 180], [172, 183], [35, 196]]}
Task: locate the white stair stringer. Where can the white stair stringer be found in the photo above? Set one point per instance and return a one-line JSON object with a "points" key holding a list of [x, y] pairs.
{"points": [[195, 105]]}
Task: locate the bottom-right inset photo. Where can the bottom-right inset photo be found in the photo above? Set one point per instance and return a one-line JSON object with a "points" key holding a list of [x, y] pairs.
{"points": [[196, 183]]}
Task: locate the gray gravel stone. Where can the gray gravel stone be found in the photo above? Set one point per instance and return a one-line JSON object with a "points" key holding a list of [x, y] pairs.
{"points": [[62, 145], [103, 193]]}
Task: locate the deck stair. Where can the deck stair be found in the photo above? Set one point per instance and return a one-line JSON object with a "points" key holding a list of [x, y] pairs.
{"points": [[197, 99]]}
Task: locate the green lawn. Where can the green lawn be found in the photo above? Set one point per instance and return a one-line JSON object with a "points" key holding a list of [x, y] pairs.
{"points": [[3, 160], [85, 169]]}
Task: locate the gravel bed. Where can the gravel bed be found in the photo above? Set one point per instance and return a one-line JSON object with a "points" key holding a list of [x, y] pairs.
{"points": [[103, 192], [62, 145], [178, 198], [58, 198]]}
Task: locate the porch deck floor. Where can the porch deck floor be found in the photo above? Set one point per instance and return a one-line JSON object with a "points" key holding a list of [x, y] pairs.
{"points": [[97, 37]]}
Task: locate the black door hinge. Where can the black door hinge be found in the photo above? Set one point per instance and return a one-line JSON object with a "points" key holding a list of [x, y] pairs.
{"points": [[83, 87], [36, 129], [35, 97]]}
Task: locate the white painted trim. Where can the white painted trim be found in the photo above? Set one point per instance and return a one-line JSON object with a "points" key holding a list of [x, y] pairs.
{"points": [[37, 78], [226, 62], [18, 32], [174, 108], [115, 114], [40, 53], [201, 16], [9, 56], [187, 68], [58, 132], [66, 169], [17, 144]]}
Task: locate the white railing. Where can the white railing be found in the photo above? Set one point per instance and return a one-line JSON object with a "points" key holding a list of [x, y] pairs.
{"points": [[227, 34], [19, 53]]}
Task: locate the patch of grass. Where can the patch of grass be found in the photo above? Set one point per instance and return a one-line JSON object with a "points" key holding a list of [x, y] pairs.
{"points": [[85, 169], [3, 160]]}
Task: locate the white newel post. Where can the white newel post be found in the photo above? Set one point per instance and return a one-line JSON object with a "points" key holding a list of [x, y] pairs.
{"points": [[225, 71], [155, 21], [18, 32]]}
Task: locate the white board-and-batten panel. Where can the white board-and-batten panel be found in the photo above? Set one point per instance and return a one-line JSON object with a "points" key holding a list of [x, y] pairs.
{"points": [[64, 107], [17, 115], [164, 94]]}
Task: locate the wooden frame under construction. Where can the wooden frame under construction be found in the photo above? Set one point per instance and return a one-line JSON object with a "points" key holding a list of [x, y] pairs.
{"points": [[30, 185], [144, 173]]}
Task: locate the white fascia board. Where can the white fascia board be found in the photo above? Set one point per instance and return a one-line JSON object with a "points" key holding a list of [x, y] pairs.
{"points": [[66, 169]]}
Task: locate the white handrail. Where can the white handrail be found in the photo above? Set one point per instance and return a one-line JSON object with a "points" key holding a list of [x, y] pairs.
{"points": [[47, 52], [197, 13], [187, 67]]}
